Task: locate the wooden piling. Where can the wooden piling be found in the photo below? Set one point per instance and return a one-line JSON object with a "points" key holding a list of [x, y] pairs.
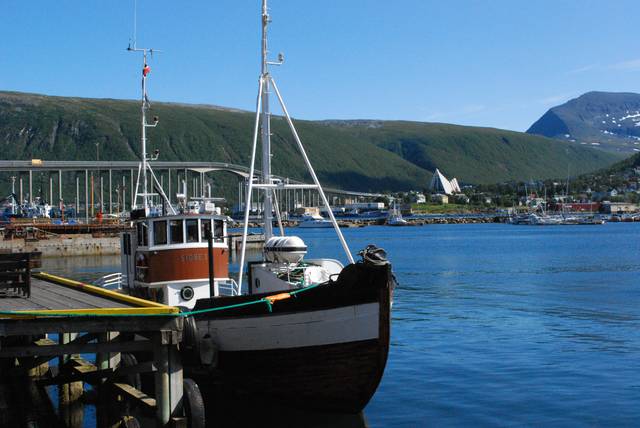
{"points": [[25, 352]]}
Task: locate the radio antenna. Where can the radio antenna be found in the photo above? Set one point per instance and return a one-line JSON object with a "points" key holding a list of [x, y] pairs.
{"points": [[142, 189], [135, 22]]}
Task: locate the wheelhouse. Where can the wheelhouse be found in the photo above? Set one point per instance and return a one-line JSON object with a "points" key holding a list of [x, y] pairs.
{"points": [[167, 258]]}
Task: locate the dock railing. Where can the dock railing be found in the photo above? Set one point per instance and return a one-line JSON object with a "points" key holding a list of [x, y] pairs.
{"points": [[112, 281]]}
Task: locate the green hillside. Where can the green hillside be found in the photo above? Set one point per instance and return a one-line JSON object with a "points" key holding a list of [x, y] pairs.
{"points": [[357, 155], [57, 128], [623, 177], [477, 155]]}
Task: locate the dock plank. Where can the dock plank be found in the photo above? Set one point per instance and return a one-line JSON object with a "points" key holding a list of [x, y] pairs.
{"points": [[48, 295], [85, 300]]}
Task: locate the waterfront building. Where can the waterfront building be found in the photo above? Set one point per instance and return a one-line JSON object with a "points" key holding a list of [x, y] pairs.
{"points": [[618, 207]]}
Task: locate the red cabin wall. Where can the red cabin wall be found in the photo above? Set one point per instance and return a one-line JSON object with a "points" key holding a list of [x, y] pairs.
{"points": [[183, 264]]}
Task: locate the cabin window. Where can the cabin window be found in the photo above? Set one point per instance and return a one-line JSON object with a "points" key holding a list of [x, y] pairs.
{"points": [[176, 227], [205, 226], [143, 236], [218, 232], [160, 232], [192, 230]]}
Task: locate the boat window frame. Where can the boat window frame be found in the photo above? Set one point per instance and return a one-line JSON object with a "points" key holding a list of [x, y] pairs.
{"points": [[142, 233], [171, 240], [218, 237], [186, 230], [166, 232], [203, 225]]}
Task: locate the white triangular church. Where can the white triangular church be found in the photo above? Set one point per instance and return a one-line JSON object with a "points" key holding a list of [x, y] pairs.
{"points": [[440, 184]]}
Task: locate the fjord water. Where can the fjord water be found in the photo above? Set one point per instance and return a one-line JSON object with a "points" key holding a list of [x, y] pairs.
{"points": [[499, 325]]}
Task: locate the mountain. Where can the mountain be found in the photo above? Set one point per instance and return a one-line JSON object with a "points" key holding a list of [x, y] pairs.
{"points": [[357, 155], [606, 120]]}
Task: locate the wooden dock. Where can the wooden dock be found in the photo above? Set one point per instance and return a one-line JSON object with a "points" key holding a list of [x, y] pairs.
{"points": [[48, 296], [129, 338]]}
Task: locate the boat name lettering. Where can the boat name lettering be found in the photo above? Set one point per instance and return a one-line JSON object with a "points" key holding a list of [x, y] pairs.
{"points": [[191, 257]]}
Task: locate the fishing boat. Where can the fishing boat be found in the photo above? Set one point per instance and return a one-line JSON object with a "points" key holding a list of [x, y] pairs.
{"points": [[394, 217], [309, 332]]}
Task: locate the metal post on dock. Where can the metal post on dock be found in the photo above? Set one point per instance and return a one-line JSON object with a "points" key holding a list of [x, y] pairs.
{"points": [[50, 189], [101, 193], [21, 198]]}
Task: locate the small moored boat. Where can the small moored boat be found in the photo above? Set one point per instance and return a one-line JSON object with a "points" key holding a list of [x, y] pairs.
{"points": [[314, 221]]}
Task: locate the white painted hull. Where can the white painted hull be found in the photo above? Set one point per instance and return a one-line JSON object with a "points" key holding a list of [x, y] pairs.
{"points": [[295, 330], [324, 348]]}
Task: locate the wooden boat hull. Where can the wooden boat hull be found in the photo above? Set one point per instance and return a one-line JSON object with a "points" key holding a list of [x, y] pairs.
{"points": [[324, 349]]}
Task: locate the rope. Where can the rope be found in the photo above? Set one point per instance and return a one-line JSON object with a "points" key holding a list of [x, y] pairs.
{"points": [[265, 300]]}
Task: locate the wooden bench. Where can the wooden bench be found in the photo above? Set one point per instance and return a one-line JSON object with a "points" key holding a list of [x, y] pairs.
{"points": [[15, 274]]}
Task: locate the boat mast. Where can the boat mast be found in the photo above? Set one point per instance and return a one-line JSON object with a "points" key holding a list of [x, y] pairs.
{"points": [[144, 167], [266, 128], [142, 170], [262, 124]]}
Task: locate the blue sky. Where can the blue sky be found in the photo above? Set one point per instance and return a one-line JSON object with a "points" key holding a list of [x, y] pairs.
{"points": [[499, 63]]}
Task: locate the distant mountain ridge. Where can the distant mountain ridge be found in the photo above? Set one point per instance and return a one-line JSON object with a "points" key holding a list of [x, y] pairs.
{"points": [[366, 155], [606, 120]]}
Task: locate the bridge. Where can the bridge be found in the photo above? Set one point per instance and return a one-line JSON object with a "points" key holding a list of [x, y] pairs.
{"points": [[182, 172]]}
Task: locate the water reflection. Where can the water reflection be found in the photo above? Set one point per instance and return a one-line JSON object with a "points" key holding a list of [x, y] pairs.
{"points": [[86, 269]]}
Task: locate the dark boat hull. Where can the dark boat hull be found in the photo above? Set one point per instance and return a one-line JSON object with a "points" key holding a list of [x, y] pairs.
{"points": [[324, 349]]}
